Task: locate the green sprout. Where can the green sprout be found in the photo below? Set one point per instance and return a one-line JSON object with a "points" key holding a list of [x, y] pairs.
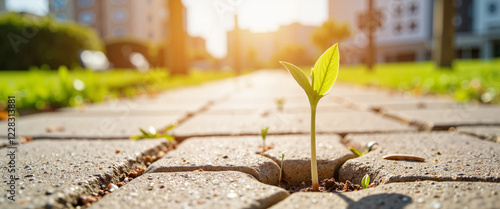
{"points": [[365, 182], [263, 133], [280, 103], [281, 168], [368, 148], [151, 133], [323, 76]]}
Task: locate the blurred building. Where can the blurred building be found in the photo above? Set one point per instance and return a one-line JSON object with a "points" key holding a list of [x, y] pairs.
{"points": [[140, 19], [259, 49], [405, 34], [406, 31], [2, 5], [477, 26]]}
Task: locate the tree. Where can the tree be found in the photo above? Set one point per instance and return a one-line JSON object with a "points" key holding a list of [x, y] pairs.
{"points": [[329, 33]]}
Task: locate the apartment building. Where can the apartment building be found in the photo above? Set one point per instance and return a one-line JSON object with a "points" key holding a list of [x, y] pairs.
{"points": [[406, 31], [140, 19]]}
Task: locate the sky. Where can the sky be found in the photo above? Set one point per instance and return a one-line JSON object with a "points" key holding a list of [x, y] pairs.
{"points": [[211, 19]]}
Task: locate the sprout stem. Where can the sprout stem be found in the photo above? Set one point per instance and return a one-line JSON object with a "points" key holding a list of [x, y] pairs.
{"points": [[314, 168]]}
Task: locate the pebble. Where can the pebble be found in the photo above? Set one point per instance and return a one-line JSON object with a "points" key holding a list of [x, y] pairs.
{"points": [[40, 181], [112, 187], [445, 169], [231, 195], [48, 192], [405, 199], [420, 200], [436, 205], [314, 201], [133, 194]]}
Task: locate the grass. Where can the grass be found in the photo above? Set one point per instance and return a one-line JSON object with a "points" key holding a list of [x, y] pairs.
{"points": [[43, 89], [468, 80]]}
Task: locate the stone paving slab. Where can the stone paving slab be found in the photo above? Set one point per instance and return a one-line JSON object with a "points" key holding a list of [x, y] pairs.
{"points": [[490, 133], [442, 119], [448, 156], [55, 172], [219, 154], [326, 122], [67, 125], [227, 189], [260, 105], [425, 194], [396, 101], [330, 155], [139, 106]]}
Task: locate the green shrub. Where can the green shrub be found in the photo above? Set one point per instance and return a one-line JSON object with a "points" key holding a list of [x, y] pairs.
{"points": [[34, 41]]}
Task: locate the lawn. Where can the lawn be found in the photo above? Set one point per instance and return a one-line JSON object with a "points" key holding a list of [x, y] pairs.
{"points": [[468, 80], [43, 89]]}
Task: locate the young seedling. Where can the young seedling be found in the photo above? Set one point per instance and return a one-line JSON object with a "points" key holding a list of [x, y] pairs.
{"points": [[368, 148], [280, 103], [281, 168], [323, 76], [365, 182], [263, 133], [152, 133]]}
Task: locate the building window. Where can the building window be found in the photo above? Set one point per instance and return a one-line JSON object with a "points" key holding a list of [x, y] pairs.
{"points": [[398, 28], [413, 8], [85, 3], [59, 4], [398, 10], [120, 31], [492, 8], [120, 15], [87, 18], [413, 26]]}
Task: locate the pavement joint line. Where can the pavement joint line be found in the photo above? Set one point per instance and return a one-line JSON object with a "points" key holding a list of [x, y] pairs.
{"points": [[119, 169]]}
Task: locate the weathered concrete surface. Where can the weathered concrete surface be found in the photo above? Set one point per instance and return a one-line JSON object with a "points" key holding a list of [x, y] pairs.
{"points": [[261, 105], [53, 173], [219, 154], [442, 119], [330, 155], [68, 125], [425, 194], [395, 102], [226, 189], [490, 133], [448, 156], [326, 122]]}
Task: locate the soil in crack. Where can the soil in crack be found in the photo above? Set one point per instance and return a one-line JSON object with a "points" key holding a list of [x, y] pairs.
{"points": [[327, 185]]}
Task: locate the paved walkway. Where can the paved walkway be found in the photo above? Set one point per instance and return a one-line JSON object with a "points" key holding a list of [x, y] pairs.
{"points": [[81, 156]]}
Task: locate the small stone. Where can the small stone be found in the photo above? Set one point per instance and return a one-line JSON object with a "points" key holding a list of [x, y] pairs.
{"points": [[436, 205], [231, 195], [314, 201], [445, 169], [48, 192], [133, 194], [421, 200], [405, 199]]}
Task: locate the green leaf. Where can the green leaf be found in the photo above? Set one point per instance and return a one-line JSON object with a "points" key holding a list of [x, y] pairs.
{"points": [[144, 133], [263, 132], [355, 151], [369, 146], [365, 182], [299, 76], [326, 70]]}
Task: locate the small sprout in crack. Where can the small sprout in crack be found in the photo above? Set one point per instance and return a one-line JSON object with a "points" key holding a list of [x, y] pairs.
{"points": [[263, 133], [281, 168], [368, 149], [280, 103], [151, 133], [323, 76], [365, 182]]}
